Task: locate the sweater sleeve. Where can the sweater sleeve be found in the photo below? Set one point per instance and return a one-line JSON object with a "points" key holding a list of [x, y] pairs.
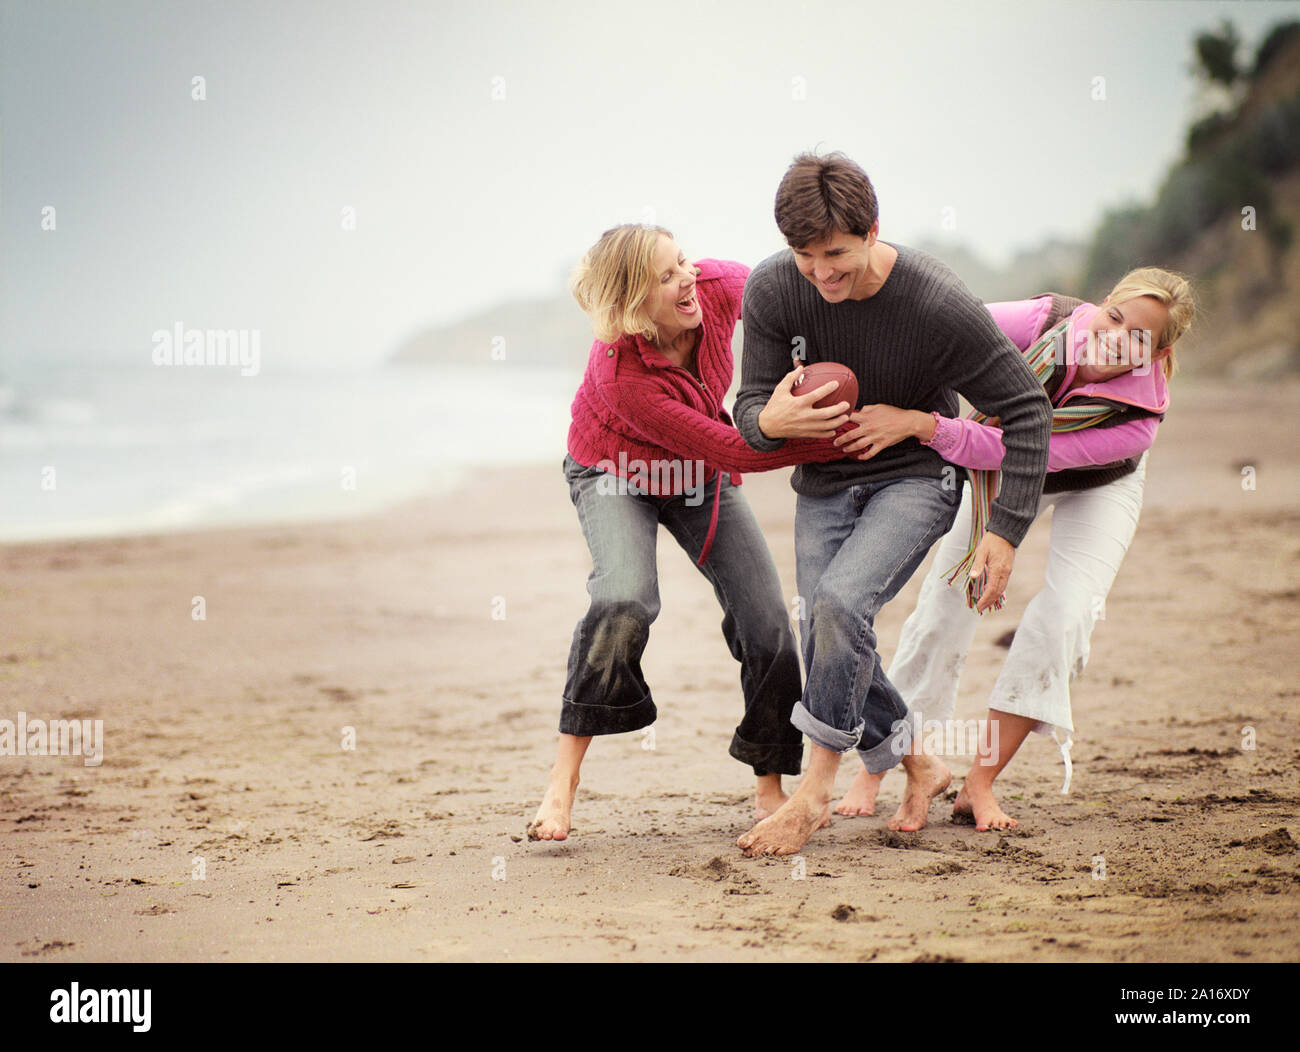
{"points": [[986, 368], [973, 445], [664, 421], [765, 359]]}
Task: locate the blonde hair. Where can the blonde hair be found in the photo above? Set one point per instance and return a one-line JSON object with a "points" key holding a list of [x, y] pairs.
{"points": [[614, 279], [1173, 291]]}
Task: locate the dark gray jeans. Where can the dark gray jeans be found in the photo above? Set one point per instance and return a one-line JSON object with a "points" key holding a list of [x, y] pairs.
{"points": [[605, 692]]}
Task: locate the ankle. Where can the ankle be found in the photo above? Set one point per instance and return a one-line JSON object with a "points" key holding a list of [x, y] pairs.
{"points": [[920, 761], [817, 795], [564, 777]]}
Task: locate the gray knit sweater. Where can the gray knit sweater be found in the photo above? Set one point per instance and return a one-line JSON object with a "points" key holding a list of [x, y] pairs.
{"points": [[919, 339]]}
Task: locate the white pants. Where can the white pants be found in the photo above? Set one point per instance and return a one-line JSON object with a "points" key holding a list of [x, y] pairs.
{"points": [[1091, 531]]}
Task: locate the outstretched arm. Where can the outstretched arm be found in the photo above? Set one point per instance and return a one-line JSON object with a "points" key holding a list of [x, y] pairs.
{"points": [[667, 422], [969, 444], [972, 445]]}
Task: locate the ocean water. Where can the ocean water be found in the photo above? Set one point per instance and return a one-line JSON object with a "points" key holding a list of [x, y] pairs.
{"points": [[100, 450]]}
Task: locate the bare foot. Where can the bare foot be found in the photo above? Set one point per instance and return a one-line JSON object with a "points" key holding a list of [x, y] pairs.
{"points": [[788, 829], [768, 801], [979, 802], [552, 821], [861, 797], [927, 777]]}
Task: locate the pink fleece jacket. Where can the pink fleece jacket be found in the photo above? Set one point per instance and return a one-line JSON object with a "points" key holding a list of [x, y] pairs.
{"points": [[972, 445]]}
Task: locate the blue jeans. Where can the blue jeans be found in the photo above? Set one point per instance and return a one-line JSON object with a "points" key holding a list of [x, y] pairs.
{"points": [[854, 551], [605, 692]]}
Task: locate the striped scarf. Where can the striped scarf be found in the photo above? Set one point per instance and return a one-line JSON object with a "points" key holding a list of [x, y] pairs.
{"points": [[1041, 357]]}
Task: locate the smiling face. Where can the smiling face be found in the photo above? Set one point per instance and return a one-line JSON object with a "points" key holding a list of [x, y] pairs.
{"points": [[1122, 337], [838, 267], [672, 306]]}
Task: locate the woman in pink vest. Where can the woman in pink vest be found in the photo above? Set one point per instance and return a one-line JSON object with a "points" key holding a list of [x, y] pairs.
{"points": [[651, 444], [1113, 361]]}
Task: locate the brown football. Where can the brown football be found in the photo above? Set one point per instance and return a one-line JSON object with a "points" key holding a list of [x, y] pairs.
{"points": [[820, 373]]}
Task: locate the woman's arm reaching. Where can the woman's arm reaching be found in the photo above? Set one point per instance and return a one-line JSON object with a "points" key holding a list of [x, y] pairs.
{"points": [[666, 422], [969, 444], [973, 445]]}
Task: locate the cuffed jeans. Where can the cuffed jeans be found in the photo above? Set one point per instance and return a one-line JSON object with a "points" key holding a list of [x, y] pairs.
{"points": [[605, 692], [855, 551]]}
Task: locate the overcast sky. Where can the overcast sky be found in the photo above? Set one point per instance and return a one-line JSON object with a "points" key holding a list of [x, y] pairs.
{"points": [[484, 146]]}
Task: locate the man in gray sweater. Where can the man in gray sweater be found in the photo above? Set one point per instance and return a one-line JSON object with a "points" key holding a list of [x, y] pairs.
{"points": [[914, 336]]}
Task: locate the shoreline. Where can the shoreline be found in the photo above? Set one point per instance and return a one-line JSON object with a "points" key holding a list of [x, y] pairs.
{"points": [[1266, 407]]}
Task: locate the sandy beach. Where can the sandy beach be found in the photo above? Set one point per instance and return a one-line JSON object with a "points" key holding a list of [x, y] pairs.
{"points": [[338, 761]]}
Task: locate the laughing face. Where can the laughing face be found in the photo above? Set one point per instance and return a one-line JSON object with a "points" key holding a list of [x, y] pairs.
{"points": [[672, 305], [840, 266], [1122, 337]]}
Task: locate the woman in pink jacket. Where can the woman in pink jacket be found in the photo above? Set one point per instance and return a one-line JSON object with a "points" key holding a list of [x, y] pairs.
{"points": [[1115, 357]]}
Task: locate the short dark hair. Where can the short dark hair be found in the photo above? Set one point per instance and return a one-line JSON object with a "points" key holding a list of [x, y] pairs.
{"points": [[820, 195]]}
